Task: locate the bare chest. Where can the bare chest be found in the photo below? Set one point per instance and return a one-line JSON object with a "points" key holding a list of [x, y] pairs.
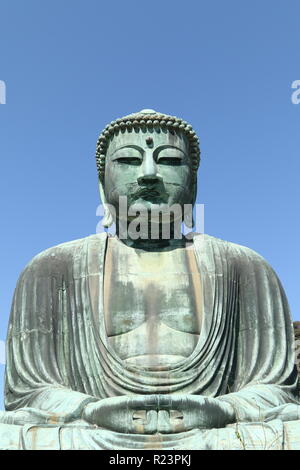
{"points": [[152, 304]]}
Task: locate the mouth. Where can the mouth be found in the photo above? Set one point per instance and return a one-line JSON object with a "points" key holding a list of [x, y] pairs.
{"points": [[151, 194], [148, 193]]}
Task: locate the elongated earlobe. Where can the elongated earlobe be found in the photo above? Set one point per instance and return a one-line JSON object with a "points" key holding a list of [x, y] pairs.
{"points": [[188, 218], [107, 220]]}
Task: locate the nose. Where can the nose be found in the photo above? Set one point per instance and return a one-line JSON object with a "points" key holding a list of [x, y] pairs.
{"points": [[149, 171]]}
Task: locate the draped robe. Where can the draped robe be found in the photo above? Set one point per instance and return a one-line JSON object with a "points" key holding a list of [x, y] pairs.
{"points": [[59, 359]]}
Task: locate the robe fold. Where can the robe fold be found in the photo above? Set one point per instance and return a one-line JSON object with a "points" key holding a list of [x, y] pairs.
{"points": [[59, 359]]}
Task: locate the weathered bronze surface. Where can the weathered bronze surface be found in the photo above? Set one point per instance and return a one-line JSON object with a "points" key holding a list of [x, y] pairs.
{"points": [[149, 342]]}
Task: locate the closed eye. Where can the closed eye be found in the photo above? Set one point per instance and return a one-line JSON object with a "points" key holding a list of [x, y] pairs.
{"points": [[169, 161], [129, 160]]}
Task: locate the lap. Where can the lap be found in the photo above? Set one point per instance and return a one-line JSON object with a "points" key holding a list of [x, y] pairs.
{"points": [[246, 436]]}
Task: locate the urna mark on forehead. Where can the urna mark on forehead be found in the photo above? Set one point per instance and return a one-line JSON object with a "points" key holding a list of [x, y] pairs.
{"points": [[145, 139]]}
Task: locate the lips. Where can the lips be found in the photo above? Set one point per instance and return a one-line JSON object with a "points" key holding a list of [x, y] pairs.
{"points": [[147, 193]]}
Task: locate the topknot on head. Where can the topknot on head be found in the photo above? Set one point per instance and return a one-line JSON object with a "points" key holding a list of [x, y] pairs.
{"points": [[146, 118]]}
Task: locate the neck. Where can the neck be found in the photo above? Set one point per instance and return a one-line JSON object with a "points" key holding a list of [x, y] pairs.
{"points": [[151, 237]]}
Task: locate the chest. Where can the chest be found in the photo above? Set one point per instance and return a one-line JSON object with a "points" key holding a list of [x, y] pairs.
{"points": [[154, 289]]}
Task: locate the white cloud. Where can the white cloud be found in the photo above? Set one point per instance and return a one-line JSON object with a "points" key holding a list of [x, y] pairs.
{"points": [[2, 352]]}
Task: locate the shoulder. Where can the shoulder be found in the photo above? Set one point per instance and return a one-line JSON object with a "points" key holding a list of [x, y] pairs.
{"points": [[59, 258], [239, 256]]}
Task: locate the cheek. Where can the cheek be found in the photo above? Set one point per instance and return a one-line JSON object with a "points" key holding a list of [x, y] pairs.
{"points": [[114, 188], [123, 174], [113, 192], [180, 188], [114, 181], [180, 194], [177, 175]]}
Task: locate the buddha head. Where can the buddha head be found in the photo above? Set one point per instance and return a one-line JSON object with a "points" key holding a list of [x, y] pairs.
{"points": [[149, 157]]}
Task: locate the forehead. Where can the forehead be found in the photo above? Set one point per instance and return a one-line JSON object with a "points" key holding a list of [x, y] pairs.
{"points": [[138, 138]]}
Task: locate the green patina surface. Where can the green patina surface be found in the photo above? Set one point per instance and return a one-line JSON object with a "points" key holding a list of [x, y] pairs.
{"points": [[148, 342]]}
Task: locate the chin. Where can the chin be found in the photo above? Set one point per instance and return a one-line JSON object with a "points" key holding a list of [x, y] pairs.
{"points": [[144, 209]]}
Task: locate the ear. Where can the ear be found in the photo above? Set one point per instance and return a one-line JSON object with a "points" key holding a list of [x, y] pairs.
{"points": [[194, 191], [189, 220], [107, 220]]}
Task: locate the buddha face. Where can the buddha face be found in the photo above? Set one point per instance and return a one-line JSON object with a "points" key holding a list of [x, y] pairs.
{"points": [[151, 168]]}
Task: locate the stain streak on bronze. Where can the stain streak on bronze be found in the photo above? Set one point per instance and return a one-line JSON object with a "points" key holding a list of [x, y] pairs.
{"points": [[196, 282], [108, 290]]}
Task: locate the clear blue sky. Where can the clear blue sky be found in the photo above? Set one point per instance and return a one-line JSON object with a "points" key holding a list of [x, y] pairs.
{"points": [[72, 66]]}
